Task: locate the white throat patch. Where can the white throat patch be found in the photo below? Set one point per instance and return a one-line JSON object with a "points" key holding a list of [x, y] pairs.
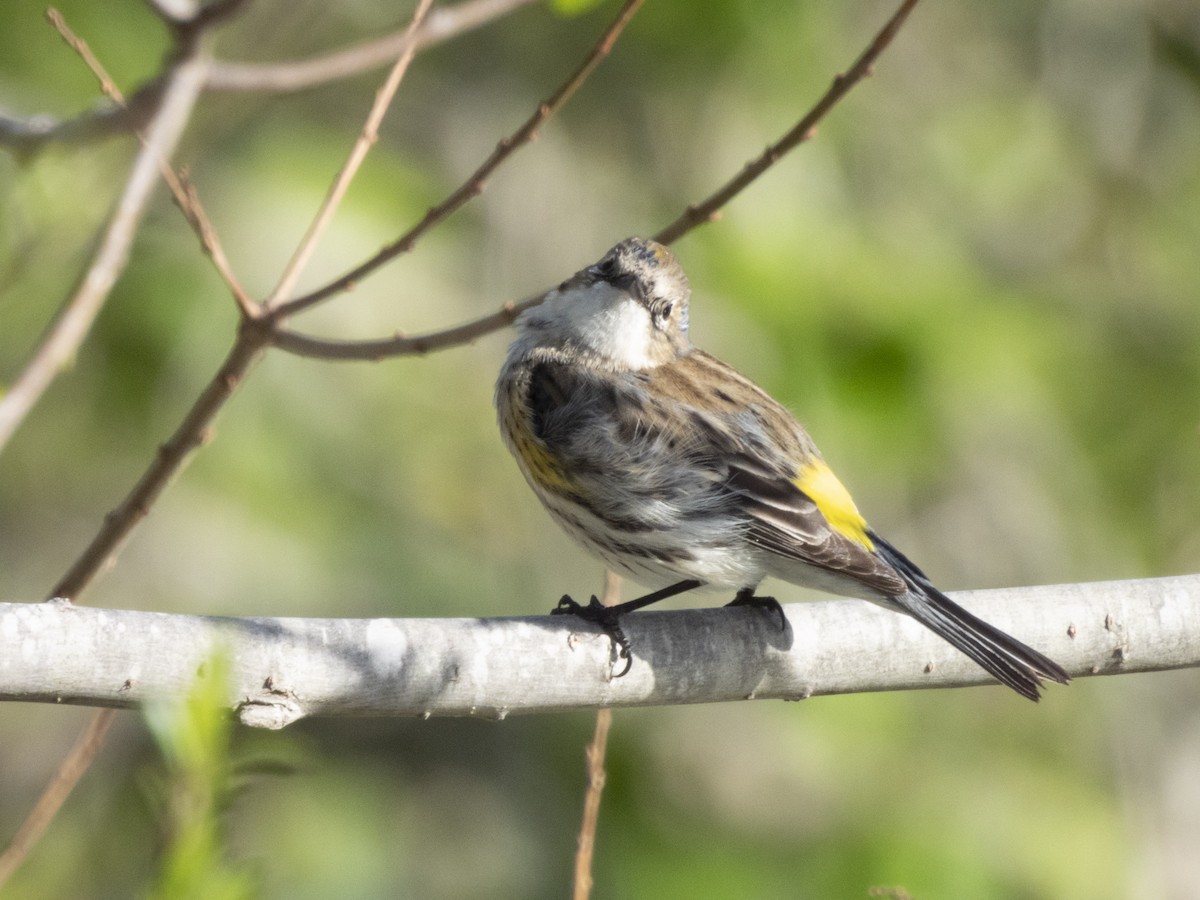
{"points": [[615, 326], [622, 333]]}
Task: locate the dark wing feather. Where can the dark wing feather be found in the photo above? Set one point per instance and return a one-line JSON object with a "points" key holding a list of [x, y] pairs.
{"points": [[787, 521], [1010, 661]]}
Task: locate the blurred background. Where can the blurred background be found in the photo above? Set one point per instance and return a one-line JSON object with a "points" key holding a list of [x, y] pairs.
{"points": [[978, 287]]}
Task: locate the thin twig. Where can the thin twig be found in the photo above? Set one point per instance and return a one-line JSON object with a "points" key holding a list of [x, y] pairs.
{"points": [[440, 25], [189, 204], [708, 209], [171, 455], [108, 87], [89, 743], [596, 776], [366, 139], [184, 192], [475, 184], [591, 806], [69, 331], [401, 344], [75, 318]]}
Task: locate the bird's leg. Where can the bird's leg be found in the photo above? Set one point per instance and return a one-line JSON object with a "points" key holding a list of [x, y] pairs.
{"points": [[607, 616], [747, 597]]}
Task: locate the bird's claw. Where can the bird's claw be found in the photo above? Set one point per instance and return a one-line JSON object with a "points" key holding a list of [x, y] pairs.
{"points": [[768, 604], [604, 616]]}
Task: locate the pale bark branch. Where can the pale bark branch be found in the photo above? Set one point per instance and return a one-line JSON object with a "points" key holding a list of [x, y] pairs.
{"points": [[440, 25], [74, 321], [285, 669]]}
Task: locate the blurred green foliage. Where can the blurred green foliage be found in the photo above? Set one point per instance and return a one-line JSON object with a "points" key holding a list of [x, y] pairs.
{"points": [[193, 735], [978, 286]]}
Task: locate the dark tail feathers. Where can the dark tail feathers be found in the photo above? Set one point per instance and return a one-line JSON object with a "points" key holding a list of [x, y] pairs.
{"points": [[1020, 667]]}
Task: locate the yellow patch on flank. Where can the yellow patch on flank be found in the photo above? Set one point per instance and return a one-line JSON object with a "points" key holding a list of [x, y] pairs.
{"points": [[542, 466], [820, 484]]}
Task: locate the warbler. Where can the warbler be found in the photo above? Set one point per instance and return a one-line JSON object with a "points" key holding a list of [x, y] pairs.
{"points": [[678, 472]]}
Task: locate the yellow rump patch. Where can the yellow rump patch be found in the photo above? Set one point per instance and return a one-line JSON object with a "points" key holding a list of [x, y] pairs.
{"points": [[818, 481]]}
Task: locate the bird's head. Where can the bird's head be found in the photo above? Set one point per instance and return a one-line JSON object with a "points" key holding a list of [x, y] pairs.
{"points": [[629, 310]]}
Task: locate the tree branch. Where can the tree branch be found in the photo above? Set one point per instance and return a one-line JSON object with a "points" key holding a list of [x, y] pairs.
{"points": [[401, 344], [76, 317], [287, 669]]}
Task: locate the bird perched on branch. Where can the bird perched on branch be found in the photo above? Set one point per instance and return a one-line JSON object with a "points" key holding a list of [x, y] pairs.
{"points": [[680, 473]]}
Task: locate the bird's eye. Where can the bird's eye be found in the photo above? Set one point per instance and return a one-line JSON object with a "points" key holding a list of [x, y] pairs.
{"points": [[665, 312]]}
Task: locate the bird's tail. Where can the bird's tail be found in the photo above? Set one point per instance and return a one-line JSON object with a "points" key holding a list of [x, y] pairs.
{"points": [[1013, 663]]}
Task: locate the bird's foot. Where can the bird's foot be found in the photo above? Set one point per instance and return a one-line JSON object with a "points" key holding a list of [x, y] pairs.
{"points": [[747, 597], [607, 617]]}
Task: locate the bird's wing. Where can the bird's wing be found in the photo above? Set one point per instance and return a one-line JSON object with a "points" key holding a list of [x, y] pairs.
{"points": [[818, 526]]}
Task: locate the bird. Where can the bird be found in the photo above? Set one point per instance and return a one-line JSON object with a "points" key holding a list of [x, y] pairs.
{"points": [[678, 472]]}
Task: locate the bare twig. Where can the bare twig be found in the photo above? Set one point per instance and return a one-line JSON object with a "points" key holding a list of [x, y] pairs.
{"points": [[26, 136], [366, 139], [75, 318], [708, 209], [174, 113], [586, 846], [185, 194], [440, 25], [193, 210], [591, 806], [107, 86], [89, 743], [475, 184], [401, 344]]}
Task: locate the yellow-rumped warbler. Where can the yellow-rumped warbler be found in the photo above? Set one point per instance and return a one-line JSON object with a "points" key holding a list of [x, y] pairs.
{"points": [[675, 470]]}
